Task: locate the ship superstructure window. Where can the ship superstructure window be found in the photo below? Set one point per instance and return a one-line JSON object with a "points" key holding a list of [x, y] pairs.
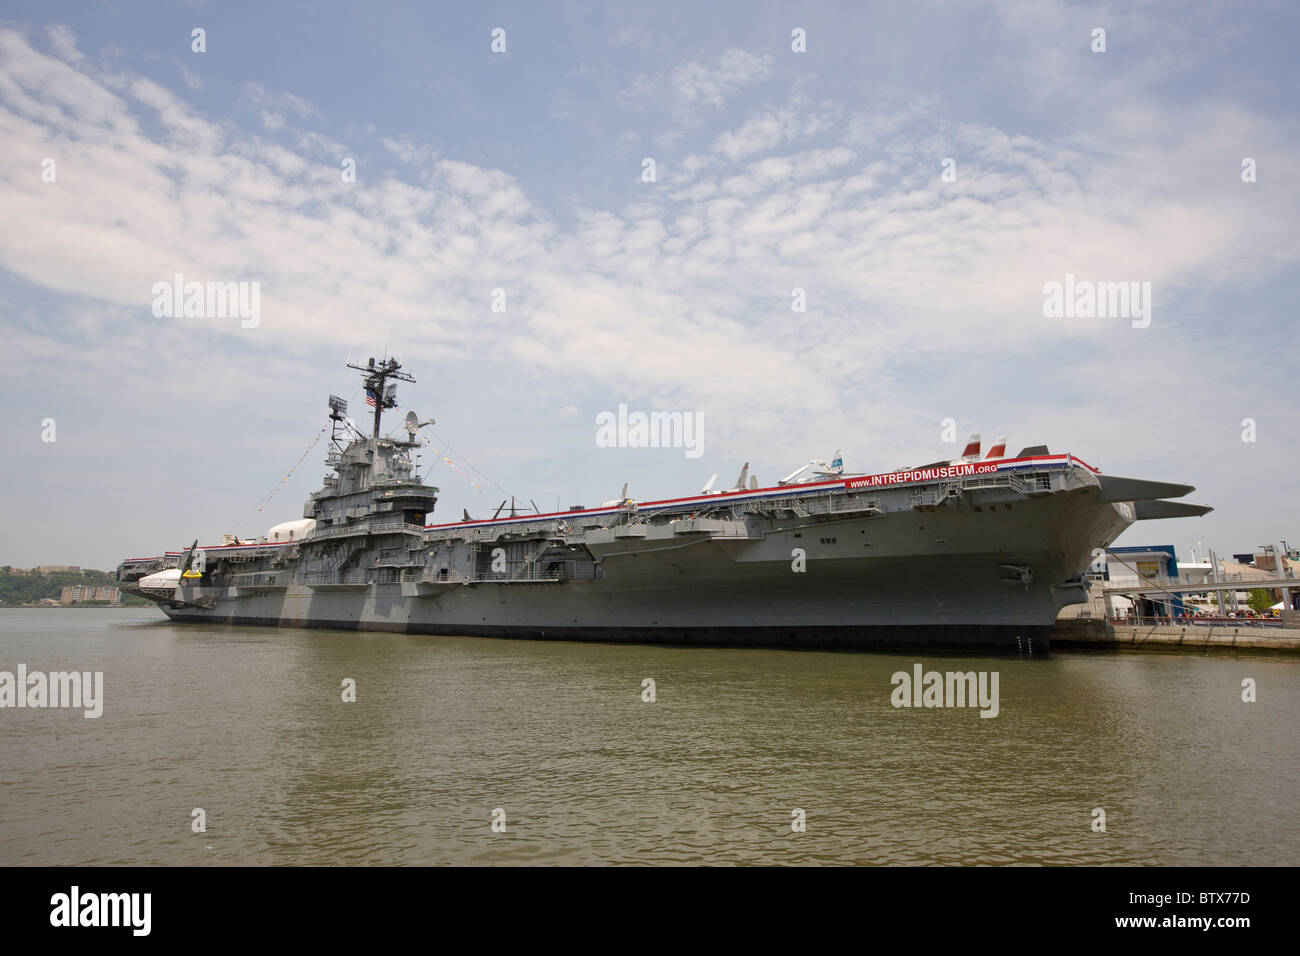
{"points": [[829, 540]]}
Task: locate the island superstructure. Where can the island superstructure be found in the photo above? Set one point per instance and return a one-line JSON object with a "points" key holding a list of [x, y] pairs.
{"points": [[972, 553]]}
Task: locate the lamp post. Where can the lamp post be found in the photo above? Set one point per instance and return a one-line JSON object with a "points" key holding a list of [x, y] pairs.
{"points": [[1216, 579], [1280, 557]]}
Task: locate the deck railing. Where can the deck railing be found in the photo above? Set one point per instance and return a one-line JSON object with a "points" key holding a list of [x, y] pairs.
{"points": [[352, 530]]}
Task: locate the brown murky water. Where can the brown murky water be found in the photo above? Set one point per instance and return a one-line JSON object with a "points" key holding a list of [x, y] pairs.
{"points": [[249, 725]]}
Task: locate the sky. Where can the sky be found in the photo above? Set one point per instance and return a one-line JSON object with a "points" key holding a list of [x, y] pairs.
{"points": [[921, 171]]}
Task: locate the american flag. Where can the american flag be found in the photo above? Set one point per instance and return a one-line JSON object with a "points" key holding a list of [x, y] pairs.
{"points": [[372, 397]]}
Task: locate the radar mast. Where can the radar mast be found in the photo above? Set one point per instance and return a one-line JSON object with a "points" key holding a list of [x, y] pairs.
{"points": [[381, 392]]}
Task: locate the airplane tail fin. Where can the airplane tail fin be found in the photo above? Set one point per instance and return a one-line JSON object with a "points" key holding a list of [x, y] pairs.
{"points": [[999, 449], [188, 557], [972, 447]]}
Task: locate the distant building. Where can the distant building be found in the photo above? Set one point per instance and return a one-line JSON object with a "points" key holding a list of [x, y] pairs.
{"points": [[52, 568], [1157, 566], [1269, 562], [1234, 571], [79, 593], [1145, 565], [1155, 563]]}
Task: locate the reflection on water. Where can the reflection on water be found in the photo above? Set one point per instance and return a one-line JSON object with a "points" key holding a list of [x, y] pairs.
{"points": [[249, 724]]}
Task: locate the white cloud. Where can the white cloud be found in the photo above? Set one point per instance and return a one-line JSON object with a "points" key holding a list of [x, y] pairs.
{"points": [[281, 100], [640, 85], [700, 84], [64, 43], [411, 152], [637, 36], [759, 133], [191, 79]]}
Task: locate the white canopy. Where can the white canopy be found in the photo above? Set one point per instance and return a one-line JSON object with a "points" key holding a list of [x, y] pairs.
{"points": [[162, 580]]}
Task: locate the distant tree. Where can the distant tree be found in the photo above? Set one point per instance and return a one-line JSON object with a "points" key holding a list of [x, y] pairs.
{"points": [[1261, 600]]}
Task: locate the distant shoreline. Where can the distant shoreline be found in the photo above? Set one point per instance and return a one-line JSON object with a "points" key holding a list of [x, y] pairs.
{"points": [[78, 607]]}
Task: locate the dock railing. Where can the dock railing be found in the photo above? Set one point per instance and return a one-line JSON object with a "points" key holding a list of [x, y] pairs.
{"points": [[1198, 621]]}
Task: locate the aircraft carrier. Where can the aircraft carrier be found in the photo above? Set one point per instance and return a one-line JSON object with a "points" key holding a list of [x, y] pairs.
{"points": [[974, 553]]}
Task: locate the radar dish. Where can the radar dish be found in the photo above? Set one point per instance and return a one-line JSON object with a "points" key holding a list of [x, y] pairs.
{"points": [[412, 424]]}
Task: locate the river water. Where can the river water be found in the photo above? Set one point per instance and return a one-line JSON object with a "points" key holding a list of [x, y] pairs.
{"points": [[249, 725]]}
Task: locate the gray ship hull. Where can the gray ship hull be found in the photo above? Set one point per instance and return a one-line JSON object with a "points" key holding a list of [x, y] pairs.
{"points": [[1004, 638]]}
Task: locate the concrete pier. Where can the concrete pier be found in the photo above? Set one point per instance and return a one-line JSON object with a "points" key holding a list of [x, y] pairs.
{"points": [[1075, 634]]}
